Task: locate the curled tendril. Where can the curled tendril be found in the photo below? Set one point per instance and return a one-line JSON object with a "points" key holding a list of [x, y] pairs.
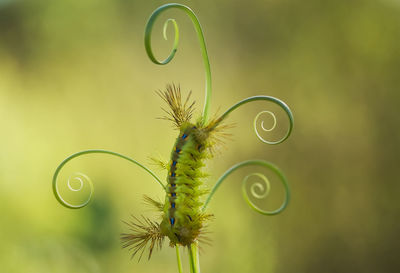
{"points": [[262, 123], [265, 98], [80, 181], [81, 178], [263, 187], [176, 28], [199, 31]]}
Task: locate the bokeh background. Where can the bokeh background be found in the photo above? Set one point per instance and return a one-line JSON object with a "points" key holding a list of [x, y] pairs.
{"points": [[74, 75]]}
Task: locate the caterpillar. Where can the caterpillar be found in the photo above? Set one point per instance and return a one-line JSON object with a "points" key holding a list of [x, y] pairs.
{"points": [[183, 215], [182, 218]]}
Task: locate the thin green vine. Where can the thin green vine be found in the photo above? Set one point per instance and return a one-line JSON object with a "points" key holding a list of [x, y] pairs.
{"points": [[178, 259], [194, 258], [264, 164], [65, 161], [200, 36], [265, 98]]}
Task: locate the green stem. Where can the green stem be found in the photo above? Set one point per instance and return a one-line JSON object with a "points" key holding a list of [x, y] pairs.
{"points": [[178, 258], [266, 98], [194, 258], [262, 163], [65, 161], [200, 36]]}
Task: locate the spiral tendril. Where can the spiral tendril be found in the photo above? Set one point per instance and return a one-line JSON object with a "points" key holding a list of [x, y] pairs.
{"points": [[278, 102], [199, 31], [80, 182], [262, 126], [81, 178], [165, 28], [264, 188], [262, 122]]}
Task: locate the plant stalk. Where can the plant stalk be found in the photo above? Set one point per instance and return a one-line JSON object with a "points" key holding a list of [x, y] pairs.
{"points": [[194, 258], [178, 259]]}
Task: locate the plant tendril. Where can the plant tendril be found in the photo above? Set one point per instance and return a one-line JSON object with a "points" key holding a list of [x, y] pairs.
{"points": [[266, 98], [176, 28], [262, 122], [200, 36], [265, 187], [85, 178]]}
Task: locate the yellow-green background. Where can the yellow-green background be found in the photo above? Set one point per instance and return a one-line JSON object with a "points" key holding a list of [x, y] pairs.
{"points": [[74, 75]]}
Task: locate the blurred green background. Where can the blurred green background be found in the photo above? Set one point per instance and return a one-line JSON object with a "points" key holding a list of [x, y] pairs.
{"points": [[74, 75]]}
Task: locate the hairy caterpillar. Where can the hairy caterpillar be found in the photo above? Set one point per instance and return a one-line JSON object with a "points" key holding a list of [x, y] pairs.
{"points": [[182, 217], [182, 214]]}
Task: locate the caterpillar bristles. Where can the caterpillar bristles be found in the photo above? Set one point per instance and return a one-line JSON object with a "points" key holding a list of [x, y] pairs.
{"points": [[179, 113], [142, 233], [159, 162], [153, 203], [203, 239], [217, 133]]}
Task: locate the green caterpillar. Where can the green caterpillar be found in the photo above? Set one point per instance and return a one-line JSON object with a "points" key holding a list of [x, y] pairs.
{"points": [[182, 218], [183, 213]]}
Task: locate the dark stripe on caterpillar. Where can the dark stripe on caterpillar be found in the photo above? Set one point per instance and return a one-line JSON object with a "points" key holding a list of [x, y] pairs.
{"points": [[171, 179]]}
